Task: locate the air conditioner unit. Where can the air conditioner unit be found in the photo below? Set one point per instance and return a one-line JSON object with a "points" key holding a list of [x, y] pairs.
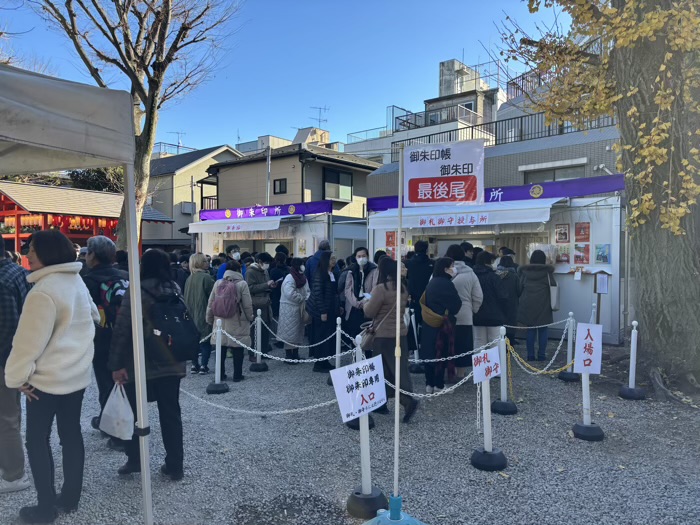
{"points": [[188, 208]]}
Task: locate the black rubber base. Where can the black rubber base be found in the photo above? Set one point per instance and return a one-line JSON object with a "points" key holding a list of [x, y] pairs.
{"points": [[259, 367], [590, 432], [217, 388], [634, 394], [489, 461], [330, 380], [569, 377], [504, 408], [365, 506], [354, 424], [416, 368]]}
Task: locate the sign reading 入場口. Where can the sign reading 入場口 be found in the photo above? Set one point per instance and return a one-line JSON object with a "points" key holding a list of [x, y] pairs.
{"points": [[589, 348], [450, 173], [486, 364], [359, 388]]}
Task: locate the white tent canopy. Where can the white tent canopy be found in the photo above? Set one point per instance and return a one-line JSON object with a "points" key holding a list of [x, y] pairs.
{"points": [[49, 124], [233, 225]]}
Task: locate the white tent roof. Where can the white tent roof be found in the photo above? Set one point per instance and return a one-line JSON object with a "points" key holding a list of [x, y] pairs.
{"points": [[49, 124], [511, 212]]}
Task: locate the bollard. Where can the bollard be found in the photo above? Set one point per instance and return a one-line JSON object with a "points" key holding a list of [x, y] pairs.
{"points": [[415, 368], [217, 387], [594, 313], [503, 406], [365, 500], [486, 457], [258, 366], [630, 391], [568, 375], [338, 343], [588, 431]]}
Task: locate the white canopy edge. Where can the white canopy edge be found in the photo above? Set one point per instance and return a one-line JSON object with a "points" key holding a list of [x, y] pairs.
{"points": [[233, 225], [50, 124], [511, 212]]}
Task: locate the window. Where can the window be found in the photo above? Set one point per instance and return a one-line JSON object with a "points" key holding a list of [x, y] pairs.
{"points": [[550, 175], [279, 186], [337, 185]]}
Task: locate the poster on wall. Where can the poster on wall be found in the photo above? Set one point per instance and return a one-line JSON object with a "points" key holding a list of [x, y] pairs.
{"points": [[301, 251], [582, 254], [564, 254], [602, 254], [583, 231], [391, 239], [562, 233]]}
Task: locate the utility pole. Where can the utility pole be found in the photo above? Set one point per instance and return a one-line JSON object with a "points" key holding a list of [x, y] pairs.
{"points": [[193, 238], [321, 111]]}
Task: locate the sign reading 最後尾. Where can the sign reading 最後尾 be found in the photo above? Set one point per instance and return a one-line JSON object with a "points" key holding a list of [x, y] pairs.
{"points": [[359, 388], [589, 348], [486, 365], [450, 173]]}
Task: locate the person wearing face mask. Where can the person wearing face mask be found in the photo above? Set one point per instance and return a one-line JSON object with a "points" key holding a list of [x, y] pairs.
{"points": [[232, 252], [260, 286], [492, 314], [358, 288], [295, 292], [440, 304]]}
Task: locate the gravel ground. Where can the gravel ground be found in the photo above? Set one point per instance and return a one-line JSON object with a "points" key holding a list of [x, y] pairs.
{"points": [[300, 469]]}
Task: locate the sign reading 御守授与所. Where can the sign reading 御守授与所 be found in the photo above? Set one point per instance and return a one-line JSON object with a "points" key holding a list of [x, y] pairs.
{"points": [[450, 173]]}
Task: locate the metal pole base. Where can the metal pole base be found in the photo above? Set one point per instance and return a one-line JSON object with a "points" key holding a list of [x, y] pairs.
{"points": [[416, 368], [569, 377], [365, 506], [393, 516], [590, 432], [217, 388], [504, 408], [354, 424], [329, 382], [489, 461], [259, 367], [634, 394]]}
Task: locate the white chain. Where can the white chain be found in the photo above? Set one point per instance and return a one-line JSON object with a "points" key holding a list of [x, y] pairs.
{"points": [[260, 412], [440, 393], [296, 345], [441, 359], [540, 326], [554, 357]]}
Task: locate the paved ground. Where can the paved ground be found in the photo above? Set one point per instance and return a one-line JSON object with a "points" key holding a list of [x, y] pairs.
{"points": [[287, 470]]}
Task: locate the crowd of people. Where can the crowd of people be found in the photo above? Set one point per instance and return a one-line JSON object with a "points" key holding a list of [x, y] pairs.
{"points": [[72, 313]]}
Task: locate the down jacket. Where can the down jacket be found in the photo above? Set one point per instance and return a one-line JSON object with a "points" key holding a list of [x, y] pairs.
{"points": [[257, 280], [493, 309], [535, 307], [238, 325], [467, 284], [323, 298], [290, 326]]}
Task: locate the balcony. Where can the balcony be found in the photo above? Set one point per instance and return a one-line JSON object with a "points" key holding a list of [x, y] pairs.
{"points": [[368, 134], [518, 129], [405, 120], [210, 203]]}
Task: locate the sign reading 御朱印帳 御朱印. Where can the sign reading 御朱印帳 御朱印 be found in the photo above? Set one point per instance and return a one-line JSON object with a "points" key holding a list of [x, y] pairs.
{"points": [[439, 174]]}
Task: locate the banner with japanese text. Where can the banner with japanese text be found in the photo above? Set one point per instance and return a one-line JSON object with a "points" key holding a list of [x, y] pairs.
{"points": [[449, 173], [359, 388], [589, 348]]}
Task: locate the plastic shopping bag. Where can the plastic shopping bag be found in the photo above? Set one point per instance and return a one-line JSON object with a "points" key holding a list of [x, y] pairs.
{"points": [[117, 418]]}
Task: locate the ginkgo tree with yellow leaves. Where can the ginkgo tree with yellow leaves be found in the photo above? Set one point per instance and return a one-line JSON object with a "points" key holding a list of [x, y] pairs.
{"points": [[638, 60]]}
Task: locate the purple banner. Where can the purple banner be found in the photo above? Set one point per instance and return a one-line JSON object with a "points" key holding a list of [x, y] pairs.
{"points": [[565, 188], [275, 210]]}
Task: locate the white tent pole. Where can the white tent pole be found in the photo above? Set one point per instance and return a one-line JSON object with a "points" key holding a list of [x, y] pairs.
{"points": [[142, 428]]}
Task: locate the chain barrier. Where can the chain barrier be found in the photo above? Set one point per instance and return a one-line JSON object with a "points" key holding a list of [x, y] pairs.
{"points": [[527, 367], [259, 412], [442, 359], [296, 345], [446, 390], [540, 326]]}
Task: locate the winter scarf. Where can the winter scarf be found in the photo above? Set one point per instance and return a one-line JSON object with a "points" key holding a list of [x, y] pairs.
{"points": [[299, 278]]}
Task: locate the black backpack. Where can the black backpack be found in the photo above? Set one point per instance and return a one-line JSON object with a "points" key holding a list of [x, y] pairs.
{"points": [[169, 326]]}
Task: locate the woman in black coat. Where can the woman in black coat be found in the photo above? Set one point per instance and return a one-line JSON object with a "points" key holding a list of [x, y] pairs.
{"points": [[322, 306], [508, 272], [535, 307], [491, 316], [441, 297]]}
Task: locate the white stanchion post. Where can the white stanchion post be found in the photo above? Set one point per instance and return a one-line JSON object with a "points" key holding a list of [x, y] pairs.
{"points": [[364, 444], [568, 375], [217, 387], [503, 406], [586, 390], [258, 366], [593, 314], [486, 406], [338, 341], [631, 391]]}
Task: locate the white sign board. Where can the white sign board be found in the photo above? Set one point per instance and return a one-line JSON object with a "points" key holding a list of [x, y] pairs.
{"points": [[486, 365], [439, 174], [359, 388], [589, 348]]}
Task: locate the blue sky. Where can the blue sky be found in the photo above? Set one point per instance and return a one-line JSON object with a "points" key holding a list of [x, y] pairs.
{"points": [[285, 56]]}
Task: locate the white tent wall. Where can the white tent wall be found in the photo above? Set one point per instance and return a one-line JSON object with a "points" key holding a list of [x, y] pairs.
{"points": [[49, 124]]}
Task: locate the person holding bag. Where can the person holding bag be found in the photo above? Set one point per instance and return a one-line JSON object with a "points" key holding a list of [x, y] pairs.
{"points": [[230, 301], [293, 317], [440, 304], [381, 308], [535, 308], [50, 362]]}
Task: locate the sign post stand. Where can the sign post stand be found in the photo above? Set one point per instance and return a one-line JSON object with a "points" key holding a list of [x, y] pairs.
{"points": [[589, 353], [631, 392], [217, 387], [486, 365], [568, 375], [503, 406], [338, 342], [258, 366]]}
